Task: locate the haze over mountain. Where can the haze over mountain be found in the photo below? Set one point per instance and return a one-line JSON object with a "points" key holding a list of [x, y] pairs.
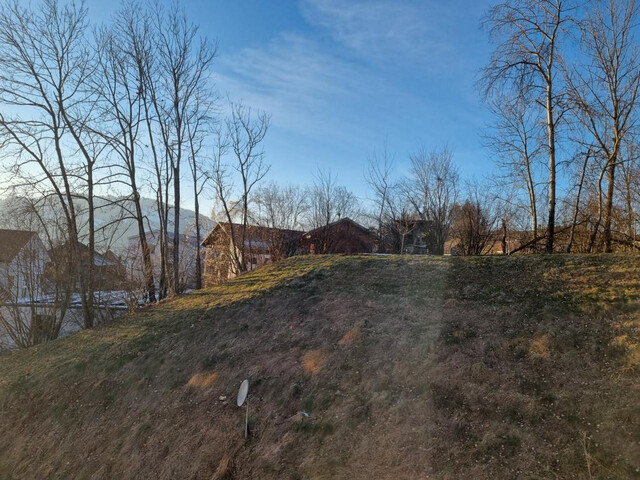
{"points": [[111, 219]]}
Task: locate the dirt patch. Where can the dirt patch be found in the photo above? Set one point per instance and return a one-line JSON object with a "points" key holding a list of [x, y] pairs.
{"points": [[314, 361], [203, 381], [350, 337]]}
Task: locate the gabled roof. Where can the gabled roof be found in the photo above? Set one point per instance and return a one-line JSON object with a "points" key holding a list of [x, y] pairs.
{"points": [[11, 242], [342, 221], [257, 235], [60, 253]]}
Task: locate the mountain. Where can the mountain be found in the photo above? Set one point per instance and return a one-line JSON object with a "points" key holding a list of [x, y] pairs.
{"points": [[115, 232]]}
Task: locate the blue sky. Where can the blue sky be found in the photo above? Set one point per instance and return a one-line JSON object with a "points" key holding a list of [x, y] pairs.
{"points": [[340, 77]]}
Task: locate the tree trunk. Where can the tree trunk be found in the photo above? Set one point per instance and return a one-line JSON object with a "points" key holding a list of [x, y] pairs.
{"points": [[89, 318], [576, 207], [609, 205], [596, 227], [504, 238], [176, 226], [552, 171], [144, 245], [198, 254]]}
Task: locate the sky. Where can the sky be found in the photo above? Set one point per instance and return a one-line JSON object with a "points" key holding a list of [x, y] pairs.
{"points": [[342, 78]]}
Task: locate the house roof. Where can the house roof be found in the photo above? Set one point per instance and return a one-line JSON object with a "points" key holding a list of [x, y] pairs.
{"points": [[11, 242], [258, 236], [342, 221], [60, 253]]}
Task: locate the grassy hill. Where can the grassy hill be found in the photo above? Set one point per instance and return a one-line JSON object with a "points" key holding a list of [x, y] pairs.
{"points": [[360, 367]]}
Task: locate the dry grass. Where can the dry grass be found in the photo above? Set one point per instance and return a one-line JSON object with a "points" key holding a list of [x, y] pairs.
{"points": [[522, 367]]}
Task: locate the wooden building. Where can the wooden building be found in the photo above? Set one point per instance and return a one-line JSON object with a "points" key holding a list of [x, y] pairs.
{"points": [[251, 247], [343, 236]]}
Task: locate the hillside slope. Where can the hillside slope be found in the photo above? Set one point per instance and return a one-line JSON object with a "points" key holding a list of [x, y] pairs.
{"points": [[360, 367]]}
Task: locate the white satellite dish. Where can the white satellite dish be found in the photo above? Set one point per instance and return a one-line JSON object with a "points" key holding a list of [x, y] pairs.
{"points": [[242, 392], [242, 398]]}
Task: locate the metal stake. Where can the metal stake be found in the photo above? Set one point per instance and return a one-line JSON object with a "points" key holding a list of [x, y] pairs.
{"points": [[246, 422]]}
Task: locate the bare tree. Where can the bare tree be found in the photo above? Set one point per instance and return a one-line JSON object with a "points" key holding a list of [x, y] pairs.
{"points": [[432, 189], [516, 140], [184, 60], [576, 205], [282, 211], [242, 138], [118, 84], [44, 69], [529, 33], [198, 126], [474, 221], [630, 189], [329, 201], [378, 177], [281, 207], [401, 219], [606, 89]]}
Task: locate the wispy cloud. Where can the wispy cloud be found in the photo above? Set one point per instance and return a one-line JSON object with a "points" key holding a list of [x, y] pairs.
{"points": [[304, 87], [387, 31], [360, 71]]}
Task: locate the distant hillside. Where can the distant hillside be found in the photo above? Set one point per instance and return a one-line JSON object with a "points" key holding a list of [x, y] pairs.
{"points": [[106, 213], [360, 368]]}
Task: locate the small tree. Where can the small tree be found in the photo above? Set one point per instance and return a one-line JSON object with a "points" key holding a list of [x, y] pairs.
{"points": [[474, 222], [432, 189]]}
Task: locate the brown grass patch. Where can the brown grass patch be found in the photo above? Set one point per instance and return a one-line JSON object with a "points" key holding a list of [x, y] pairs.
{"points": [[314, 361], [203, 381], [350, 337], [539, 347], [223, 471]]}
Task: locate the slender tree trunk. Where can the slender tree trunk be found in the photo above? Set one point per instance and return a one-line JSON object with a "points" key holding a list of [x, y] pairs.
{"points": [[611, 170], [596, 227], [629, 207], [165, 230], [162, 290], [532, 198], [576, 206], [198, 251], [505, 245], [551, 223], [89, 319], [176, 226], [144, 245]]}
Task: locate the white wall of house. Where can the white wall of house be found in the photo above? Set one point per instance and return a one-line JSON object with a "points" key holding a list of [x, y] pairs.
{"points": [[23, 276]]}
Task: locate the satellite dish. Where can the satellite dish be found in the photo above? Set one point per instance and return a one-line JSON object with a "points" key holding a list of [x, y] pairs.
{"points": [[242, 393]]}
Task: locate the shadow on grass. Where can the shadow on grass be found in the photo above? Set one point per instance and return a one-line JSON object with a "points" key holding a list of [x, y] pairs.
{"points": [[536, 369]]}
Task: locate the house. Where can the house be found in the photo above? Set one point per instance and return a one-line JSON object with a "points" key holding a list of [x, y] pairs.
{"points": [[224, 248], [23, 259], [36, 299], [343, 236], [133, 260], [107, 272]]}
